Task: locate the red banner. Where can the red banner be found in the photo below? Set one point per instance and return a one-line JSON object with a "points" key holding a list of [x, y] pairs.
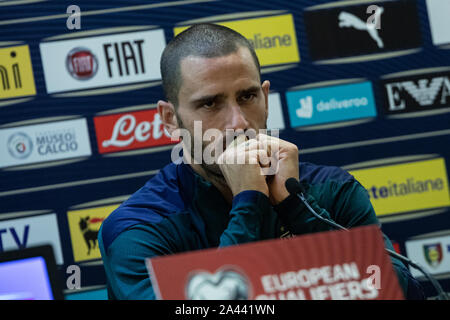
{"points": [[334, 265], [128, 131]]}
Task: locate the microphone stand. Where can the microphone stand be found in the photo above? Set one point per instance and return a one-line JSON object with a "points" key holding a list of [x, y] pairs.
{"points": [[298, 190]]}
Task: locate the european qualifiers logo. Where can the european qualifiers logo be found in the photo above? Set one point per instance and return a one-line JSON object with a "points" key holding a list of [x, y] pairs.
{"points": [[418, 92], [335, 31], [225, 284]]}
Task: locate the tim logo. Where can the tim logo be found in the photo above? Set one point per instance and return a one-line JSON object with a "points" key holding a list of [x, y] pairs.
{"points": [[89, 235], [348, 20]]}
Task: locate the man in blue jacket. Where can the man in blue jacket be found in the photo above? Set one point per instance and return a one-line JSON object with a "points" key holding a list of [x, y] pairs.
{"points": [[211, 74]]}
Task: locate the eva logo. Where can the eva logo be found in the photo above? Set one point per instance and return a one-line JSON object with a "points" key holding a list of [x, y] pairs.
{"points": [[273, 38], [330, 104], [417, 92]]}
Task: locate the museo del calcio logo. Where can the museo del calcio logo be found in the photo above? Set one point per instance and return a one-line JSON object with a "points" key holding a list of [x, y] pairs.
{"points": [[20, 145]]}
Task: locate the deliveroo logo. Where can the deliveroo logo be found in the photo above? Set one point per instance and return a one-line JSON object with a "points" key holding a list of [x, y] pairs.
{"points": [[306, 108]]}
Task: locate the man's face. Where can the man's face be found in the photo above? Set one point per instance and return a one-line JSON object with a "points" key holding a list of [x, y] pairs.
{"points": [[223, 93]]}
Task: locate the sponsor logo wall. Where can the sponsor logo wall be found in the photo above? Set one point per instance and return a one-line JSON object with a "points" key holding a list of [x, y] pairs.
{"points": [[345, 92]]}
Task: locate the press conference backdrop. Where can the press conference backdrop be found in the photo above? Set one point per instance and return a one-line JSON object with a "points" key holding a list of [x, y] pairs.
{"points": [[79, 132]]}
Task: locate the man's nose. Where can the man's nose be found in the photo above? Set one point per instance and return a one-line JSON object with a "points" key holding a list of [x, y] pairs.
{"points": [[236, 118]]}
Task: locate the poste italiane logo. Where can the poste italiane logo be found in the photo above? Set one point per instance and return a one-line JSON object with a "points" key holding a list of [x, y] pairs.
{"points": [[273, 37], [20, 145], [406, 187]]}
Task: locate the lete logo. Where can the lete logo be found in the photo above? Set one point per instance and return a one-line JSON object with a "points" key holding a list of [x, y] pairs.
{"points": [[222, 285], [130, 131]]}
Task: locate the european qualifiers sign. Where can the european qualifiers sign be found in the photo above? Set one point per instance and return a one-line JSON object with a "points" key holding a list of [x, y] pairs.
{"points": [[418, 92], [336, 31]]}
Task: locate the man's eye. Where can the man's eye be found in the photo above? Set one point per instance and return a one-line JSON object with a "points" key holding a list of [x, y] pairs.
{"points": [[209, 104], [248, 97]]}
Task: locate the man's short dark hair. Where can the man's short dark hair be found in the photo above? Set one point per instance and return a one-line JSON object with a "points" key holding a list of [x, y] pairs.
{"points": [[200, 40]]}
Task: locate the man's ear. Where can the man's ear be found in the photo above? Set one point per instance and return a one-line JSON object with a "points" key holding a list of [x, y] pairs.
{"points": [[266, 88], [167, 113]]}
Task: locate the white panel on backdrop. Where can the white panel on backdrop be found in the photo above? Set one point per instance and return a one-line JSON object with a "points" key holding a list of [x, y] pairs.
{"points": [[44, 142], [439, 16], [275, 119], [30, 232], [102, 61]]}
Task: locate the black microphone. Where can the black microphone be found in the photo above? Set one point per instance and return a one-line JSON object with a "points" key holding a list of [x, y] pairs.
{"points": [[295, 188]]}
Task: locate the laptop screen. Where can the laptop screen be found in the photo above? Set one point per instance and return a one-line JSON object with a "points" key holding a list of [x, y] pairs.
{"points": [[25, 279], [28, 274]]}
